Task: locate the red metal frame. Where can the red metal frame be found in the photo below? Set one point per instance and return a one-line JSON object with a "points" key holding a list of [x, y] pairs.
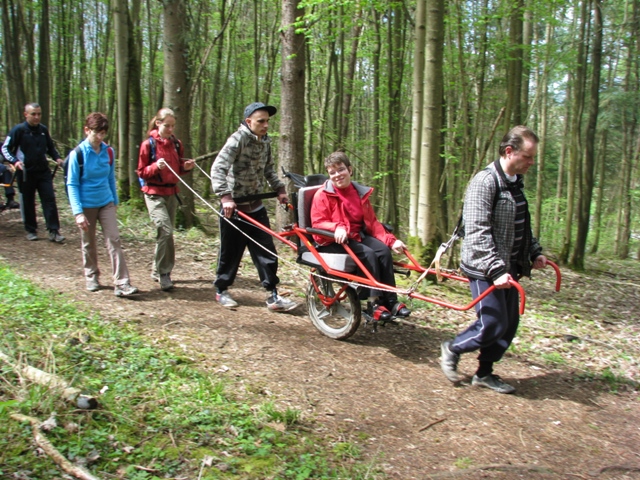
{"points": [[368, 279]]}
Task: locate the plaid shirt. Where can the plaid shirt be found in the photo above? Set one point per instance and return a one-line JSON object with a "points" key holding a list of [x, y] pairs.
{"points": [[489, 233]]}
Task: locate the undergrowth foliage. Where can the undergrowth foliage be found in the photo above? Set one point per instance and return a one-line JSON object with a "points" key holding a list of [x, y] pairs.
{"points": [[158, 415]]}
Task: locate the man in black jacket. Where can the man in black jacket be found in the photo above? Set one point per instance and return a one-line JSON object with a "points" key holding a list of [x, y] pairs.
{"points": [[25, 148]]}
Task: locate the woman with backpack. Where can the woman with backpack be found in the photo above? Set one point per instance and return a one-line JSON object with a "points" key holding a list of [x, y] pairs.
{"points": [[91, 186], [161, 156]]}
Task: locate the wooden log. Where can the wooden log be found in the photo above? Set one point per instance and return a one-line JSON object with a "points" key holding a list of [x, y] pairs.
{"points": [[61, 386], [51, 451]]}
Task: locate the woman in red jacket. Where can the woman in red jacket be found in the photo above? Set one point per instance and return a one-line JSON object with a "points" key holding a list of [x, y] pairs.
{"points": [[160, 186], [343, 207]]}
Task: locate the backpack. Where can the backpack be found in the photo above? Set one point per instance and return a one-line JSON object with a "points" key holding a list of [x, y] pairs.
{"points": [[152, 154], [80, 157]]}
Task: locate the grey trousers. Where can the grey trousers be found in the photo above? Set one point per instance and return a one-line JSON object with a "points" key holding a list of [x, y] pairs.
{"points": [[162, 210], [109, 223]]}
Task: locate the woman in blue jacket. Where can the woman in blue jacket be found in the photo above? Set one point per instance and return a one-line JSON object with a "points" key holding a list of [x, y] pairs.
{"points": [[91, 184]]}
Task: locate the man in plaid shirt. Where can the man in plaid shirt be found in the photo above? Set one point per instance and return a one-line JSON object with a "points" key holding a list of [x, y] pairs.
{"points": [[498, 249]]}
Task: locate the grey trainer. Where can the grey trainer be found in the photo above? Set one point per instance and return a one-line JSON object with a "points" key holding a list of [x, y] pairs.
{"points": [[125, 290], [224, 299], [165, 282], [54, 236], [31, 236], [494, 382], [92, 284], [280, 304], [449, 362]]}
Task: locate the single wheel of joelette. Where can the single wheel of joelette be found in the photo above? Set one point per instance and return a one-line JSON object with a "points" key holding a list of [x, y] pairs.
{"points": [[342, 318]]}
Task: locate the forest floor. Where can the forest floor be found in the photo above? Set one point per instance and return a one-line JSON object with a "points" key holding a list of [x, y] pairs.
{"points": [[576, 412]]}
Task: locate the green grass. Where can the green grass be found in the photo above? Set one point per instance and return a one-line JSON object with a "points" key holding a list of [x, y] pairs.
{"points": [[159, 416]]}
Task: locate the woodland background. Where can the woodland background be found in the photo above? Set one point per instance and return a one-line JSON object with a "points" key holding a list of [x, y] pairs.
{"points": [[418, 92]]}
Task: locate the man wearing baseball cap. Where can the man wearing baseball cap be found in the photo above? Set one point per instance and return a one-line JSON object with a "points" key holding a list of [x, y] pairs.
{"points": [[239, 172]]}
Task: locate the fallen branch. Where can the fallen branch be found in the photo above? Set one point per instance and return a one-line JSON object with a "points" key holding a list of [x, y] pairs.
{"points": [[620, 468], [499, 467], [54, 382], [435, 422], [51, 451]]}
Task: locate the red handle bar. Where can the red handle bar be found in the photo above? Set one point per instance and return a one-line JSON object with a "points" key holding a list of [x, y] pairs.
{"points": [[558, 274]]}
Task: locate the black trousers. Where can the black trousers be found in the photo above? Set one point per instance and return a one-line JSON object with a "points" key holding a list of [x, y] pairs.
{"points": [[6, 178], [376, 256], [233, 243], [41, 182]]}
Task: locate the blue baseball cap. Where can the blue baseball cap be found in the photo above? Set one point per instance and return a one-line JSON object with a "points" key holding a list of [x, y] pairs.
{"points": [[250, 109]]}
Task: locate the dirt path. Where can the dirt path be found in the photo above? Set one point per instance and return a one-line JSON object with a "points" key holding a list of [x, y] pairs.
{"points": [[383, 391]]}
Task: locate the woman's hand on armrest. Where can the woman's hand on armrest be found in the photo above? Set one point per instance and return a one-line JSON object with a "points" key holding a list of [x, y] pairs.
{"points": [[340, 235]]}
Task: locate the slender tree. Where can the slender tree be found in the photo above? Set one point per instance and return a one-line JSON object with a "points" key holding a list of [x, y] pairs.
{"points": [[291, 145], [588, 167]]}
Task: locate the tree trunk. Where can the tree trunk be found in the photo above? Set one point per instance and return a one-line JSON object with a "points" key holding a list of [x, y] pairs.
{"points": [[121, 27], [513, 114], [177, 88], [575, 134], [291, 145], [542, 133], [44, 64], [375, 154], [584, 212], [135, 125], [16, 97], [429, 207], [416, 118], [351, 71]]}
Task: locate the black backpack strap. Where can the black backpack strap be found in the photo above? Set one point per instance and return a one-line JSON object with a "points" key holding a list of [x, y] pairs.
{"points": [[496, 196], [80, 159], [152, 150]]}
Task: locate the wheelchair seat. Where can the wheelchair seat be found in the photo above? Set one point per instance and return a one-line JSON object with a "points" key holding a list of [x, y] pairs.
{"points": [[336, 261]]}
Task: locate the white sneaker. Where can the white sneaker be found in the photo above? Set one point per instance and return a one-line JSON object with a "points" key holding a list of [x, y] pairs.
{"points": [[280, 304], [125, 290], [224, 299]]}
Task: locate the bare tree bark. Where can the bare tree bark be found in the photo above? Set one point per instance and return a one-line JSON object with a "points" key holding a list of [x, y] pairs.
{"points": [[416, 118], [121, 27], [575, 133], [588, 167], [542, 132], [513, 114], [291, 145], [135, 121], [176, 88], [431, 124], [629, 131], [15, 95], [44, 64], [351, 71]]}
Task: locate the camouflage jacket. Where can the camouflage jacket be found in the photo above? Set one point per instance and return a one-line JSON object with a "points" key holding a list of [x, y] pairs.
{"points": [[243, 165]]}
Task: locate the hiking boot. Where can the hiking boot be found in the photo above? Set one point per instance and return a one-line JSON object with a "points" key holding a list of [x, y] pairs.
{"points": [[494, 382], [125, 290], [12, 204], [400, 310], [165, 282], [449, 362], [54, 236], [224, 299], [32, 236], [92, 284], [378, 313], [280, 304]]}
